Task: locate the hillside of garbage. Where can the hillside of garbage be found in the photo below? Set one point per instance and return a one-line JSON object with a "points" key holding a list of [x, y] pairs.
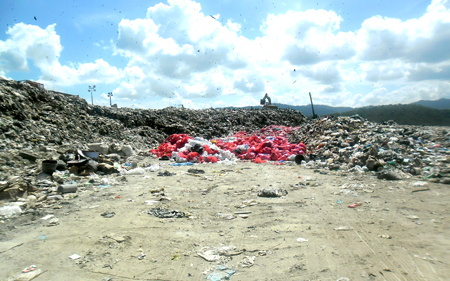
{"points": [[38, 125]]}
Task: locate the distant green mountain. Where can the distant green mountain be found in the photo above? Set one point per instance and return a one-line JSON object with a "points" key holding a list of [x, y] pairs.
{"points": [[439, 104], [424, 112], [319, 109], [404, 114]]}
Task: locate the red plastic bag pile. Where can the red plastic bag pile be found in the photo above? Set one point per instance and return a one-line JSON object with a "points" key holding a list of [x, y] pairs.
{"points": [[196, 157], [174, 142], [171, 144], [268, 144]]}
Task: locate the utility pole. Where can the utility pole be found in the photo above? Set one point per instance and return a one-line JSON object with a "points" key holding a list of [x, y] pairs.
{"points": [[312, 106], [110, 94], [92, 89]]}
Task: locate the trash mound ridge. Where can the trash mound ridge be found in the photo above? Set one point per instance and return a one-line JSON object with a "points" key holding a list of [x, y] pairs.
{"points": [[37, 116]]}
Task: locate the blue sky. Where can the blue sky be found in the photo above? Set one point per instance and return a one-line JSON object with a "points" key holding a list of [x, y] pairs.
{"points": [[203, 54]]}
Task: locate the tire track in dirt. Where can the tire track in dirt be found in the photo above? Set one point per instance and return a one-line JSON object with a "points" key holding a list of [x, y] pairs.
{"points": [[351, 257], [378, 249], [409, 267]]}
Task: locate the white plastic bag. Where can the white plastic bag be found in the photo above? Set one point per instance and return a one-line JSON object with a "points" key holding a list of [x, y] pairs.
{"points": [[137, 171], [10, 211], [153, 168]]}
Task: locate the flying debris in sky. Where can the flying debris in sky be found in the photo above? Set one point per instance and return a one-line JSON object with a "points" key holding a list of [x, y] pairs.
{"points": [[146, 52]]}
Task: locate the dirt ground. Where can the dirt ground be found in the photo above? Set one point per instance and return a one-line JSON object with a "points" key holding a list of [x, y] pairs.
{"points": [[398, 233]]}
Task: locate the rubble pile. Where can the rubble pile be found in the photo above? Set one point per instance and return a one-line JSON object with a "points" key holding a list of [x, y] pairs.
{"points": [[36, 124], [77, 139], [35, 116], [31, 117], [355, 144]]}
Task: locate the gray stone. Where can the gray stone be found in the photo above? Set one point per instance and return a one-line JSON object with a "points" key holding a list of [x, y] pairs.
{"points": [[389, 175]]}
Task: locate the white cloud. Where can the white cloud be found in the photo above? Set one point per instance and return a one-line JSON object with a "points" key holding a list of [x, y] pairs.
{"points": [[377, 97], [384, 70], [249, 81], [416, 40], [55, 75], [29, 42], [424, 71], [439, 6], [425, 90], [181, 51], [43, 47], [325, 72], [178, 101], [137, 37], [179, 55], [309, 37], [247, 101], [219, 103], [236, 27]]}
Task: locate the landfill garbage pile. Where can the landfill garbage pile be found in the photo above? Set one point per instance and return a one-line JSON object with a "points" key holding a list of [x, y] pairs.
{"points": [[267, 144], [38, 125], [32, 116], [393, 151]]}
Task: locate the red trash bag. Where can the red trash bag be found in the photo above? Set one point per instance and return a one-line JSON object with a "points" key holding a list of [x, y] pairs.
{"points": [[258, 160], [264, 157], [182, 142], [193, 157], [211, 159], [276, 155]]}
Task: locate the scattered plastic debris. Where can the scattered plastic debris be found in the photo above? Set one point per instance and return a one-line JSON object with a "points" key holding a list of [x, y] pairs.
{"points": [[30, 268], [166, 174], [247, 261], [344, 228], [196, 171], [166, 213], [221, 273], [10, 211], [74, 257], [108, 214], [272, 193], [354, 205]]}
